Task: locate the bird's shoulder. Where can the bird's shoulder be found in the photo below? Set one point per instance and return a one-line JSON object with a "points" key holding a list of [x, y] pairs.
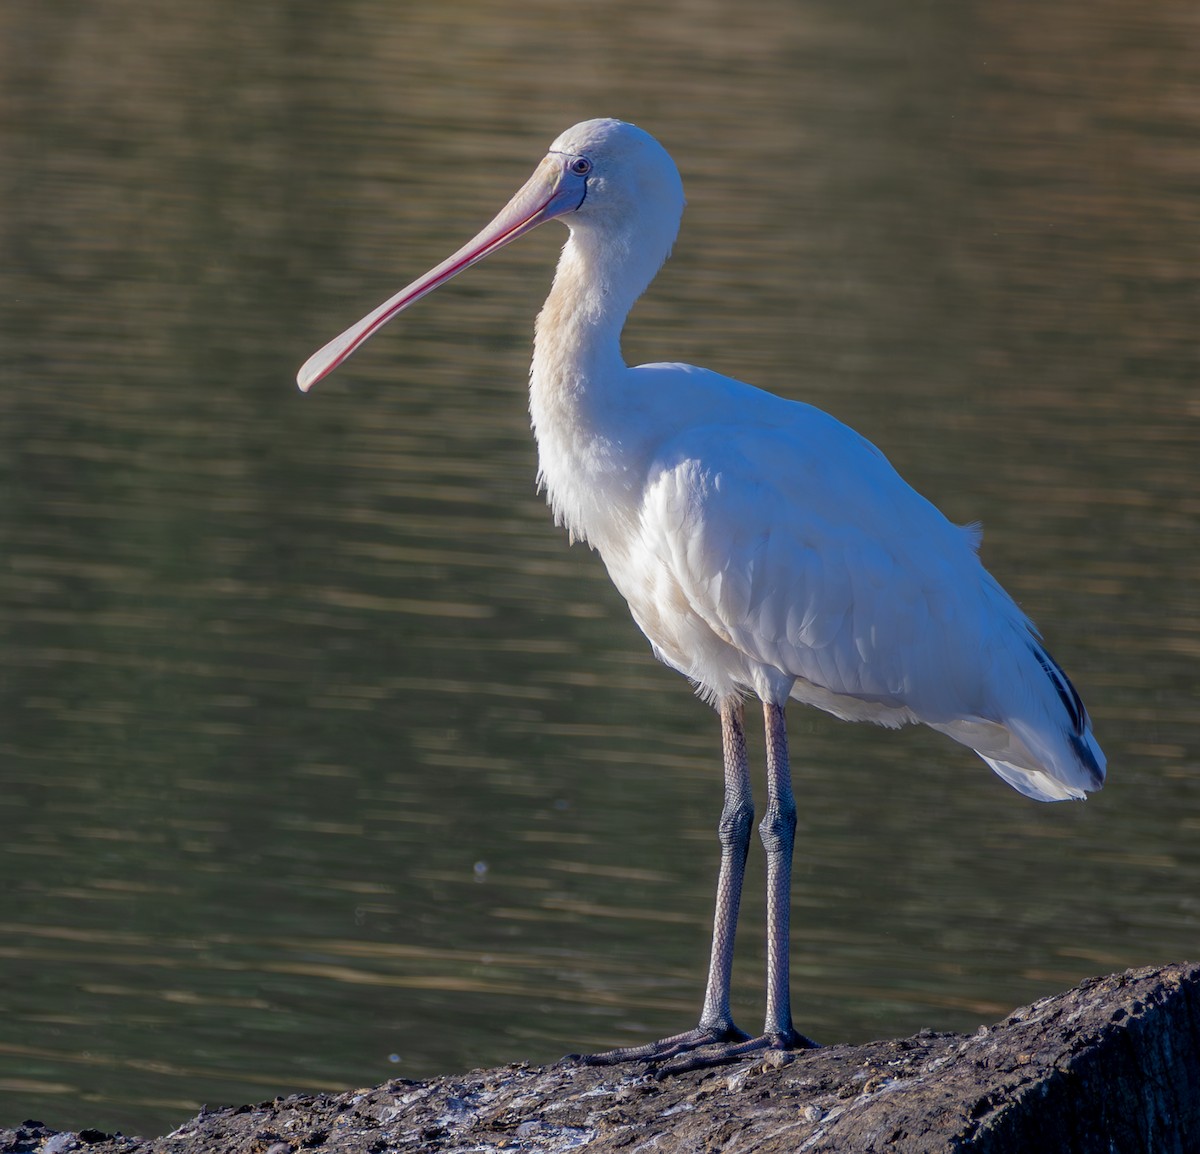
{"points": [[748, 462]]}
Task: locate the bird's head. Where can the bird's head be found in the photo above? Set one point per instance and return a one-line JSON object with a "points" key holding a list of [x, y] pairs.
{"points": [[625, 173]]}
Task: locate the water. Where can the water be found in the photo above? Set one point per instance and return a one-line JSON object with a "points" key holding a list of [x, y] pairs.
{"points": [[324, 758]]}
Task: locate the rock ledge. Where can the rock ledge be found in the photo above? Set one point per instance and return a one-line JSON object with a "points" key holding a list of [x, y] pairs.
{"points": [[1112, 1065]]}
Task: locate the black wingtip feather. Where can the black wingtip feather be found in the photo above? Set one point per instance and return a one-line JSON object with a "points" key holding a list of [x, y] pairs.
{"points": [[1068, 696]]}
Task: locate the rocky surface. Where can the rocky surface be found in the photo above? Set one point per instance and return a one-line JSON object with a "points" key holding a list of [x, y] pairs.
{"points": [[1112, 1065]]}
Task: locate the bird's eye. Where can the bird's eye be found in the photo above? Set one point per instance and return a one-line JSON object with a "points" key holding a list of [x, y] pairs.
{"points": [[581, 166]]}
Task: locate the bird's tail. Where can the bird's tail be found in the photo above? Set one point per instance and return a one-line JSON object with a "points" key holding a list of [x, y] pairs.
{"points": [[1046, 749], [1085, 775]]}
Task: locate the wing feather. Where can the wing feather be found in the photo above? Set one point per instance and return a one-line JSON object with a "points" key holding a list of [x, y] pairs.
{"points": [[778, 552]]}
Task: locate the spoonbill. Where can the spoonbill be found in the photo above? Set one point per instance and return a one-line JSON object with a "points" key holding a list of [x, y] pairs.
{"points": [[764, 548]]}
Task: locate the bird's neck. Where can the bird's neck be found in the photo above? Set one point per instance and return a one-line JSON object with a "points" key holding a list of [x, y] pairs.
{"points": [[578, 335], [577, 372]]}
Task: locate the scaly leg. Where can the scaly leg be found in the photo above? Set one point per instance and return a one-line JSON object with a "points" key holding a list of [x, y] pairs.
{"points": [[778, 831], [737, 815]]}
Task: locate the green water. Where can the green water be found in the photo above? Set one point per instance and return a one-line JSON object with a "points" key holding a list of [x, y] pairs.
{"points": [[323, 758]]}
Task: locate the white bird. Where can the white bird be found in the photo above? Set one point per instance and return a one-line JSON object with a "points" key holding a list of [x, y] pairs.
{"points": [[764, 547]]}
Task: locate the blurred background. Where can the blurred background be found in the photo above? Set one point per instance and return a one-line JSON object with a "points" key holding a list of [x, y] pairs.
{"points": [[323, 757]]}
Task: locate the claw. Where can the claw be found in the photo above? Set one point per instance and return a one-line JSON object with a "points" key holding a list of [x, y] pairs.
{"points": [[654, 1052], [724, 1054]]}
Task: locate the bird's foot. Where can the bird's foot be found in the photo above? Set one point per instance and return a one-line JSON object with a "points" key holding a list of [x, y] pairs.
{"points": [[704, 1057], [667, 1048]]}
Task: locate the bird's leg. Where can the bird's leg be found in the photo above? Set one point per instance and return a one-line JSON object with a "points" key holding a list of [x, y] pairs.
{"points": [[778, 830], [737, 816]]}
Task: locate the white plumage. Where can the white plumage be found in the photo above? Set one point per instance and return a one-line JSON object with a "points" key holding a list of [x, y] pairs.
{"points": [[763, 546]]}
